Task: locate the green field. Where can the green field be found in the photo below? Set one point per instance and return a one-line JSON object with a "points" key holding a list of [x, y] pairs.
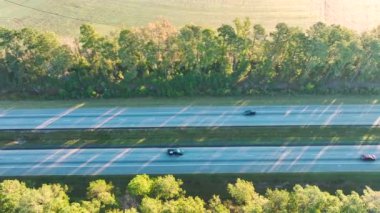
{"points": [[65, 17]]}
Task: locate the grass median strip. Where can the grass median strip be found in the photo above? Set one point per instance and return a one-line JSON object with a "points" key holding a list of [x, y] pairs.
{"points": [[164, 137]]}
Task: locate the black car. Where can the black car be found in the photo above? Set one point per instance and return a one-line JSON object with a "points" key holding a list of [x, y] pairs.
{"points": [[249, 113], [368, 157], [175, 152]]}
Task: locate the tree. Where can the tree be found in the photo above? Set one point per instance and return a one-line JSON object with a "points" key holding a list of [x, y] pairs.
{"points": [[243, 28], [243, 192], [140, 185], [47, 198], [328, 48], [188, 40], [368, 68], [131, 210], [351, 203], [371, 199], [131, 55], [157, 38], [258, 43], [285, 57], [216, 205], [184, 205], [151, 205], [312, 199], [11, 192], [99, 55], [161, 60], [212, 58], [167, 187], [31, 59], [75, 207], [101, 191], [278, 201], [91, 206]]}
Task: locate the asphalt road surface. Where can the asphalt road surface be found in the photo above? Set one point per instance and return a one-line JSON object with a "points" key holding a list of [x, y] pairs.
{"points": [[195, 160], [191, 116]]}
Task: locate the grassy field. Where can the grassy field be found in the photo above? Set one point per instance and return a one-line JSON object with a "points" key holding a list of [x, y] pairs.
{"points": [[206, 185], [65, 17], [203, 101], [242, 136]]}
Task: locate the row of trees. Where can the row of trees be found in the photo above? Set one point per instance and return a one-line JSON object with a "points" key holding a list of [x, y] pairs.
{"points": [[161, 60], [164, 194]]}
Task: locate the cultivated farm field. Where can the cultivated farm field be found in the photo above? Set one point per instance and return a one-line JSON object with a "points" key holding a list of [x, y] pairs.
{"points": [[65, 17]]}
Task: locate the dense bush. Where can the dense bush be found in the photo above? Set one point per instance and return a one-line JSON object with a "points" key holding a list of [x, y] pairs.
{"points": [[160, 60], [164, 194]]}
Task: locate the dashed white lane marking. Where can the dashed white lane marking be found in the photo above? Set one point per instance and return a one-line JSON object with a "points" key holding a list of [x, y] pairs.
{"points": [[57, 117]]}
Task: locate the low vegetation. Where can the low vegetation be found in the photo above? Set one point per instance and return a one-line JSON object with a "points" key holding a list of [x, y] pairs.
{"points": [[162, 61], [165, 137], [280, 99], [165, 194]]}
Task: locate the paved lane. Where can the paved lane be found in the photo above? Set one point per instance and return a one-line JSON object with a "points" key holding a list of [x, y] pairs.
{"points": [[93, 118], [195, 160]]}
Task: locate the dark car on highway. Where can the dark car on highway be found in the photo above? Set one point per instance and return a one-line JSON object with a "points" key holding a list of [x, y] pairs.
{"points": [[368, 157], [249, 113], [175, 152]]}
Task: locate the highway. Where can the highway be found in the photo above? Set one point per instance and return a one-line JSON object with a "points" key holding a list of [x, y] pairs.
{"points": [[211, 160], [78, 117]]}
